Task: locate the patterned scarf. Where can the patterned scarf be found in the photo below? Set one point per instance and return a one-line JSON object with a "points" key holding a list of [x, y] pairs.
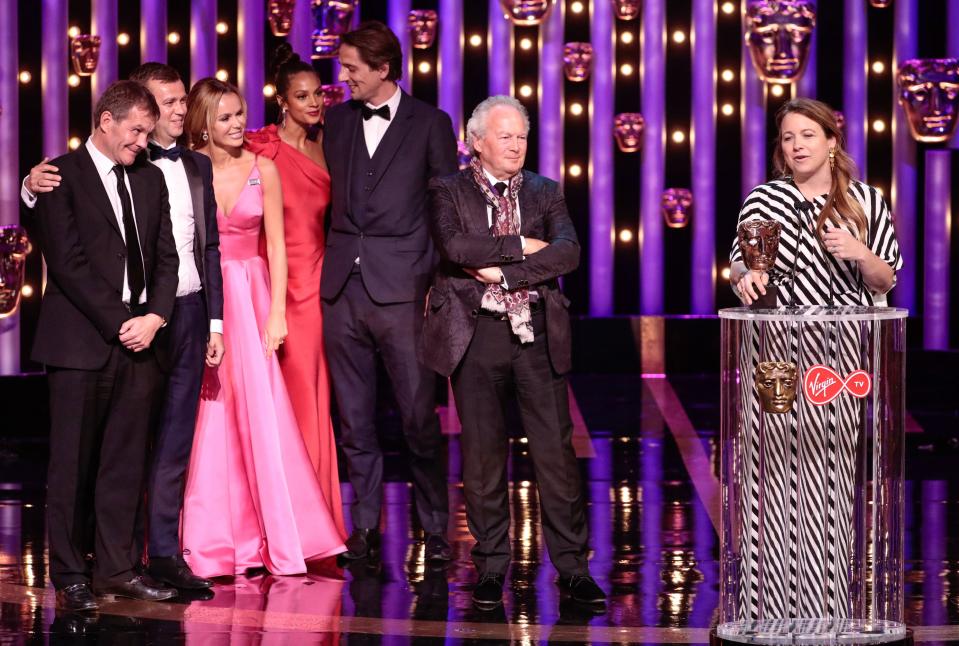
{"points": [[513, 303]]}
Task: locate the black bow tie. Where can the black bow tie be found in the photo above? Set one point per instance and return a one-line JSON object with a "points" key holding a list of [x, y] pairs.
{"points": [[382, 111], [157, 152]]}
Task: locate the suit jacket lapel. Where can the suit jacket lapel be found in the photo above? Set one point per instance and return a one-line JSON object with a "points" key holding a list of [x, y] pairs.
{"points": [[478, 210], [353, 136], [392, 138], [199, 208], [95, 190], [527, 205]]}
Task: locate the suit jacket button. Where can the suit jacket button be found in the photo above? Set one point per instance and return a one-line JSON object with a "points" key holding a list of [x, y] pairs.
{"points": [[474, 313], [370, 174]]}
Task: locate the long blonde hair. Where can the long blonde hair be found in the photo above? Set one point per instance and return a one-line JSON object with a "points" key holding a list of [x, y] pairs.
{"points": [[840, 207], [201, 106]]}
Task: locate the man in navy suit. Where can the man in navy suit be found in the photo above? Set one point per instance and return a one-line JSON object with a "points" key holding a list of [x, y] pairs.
{"points": [[382, 148], [195, 328]]}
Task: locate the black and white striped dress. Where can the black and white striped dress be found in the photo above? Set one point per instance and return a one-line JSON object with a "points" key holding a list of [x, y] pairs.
{"points": [[795, 543]]}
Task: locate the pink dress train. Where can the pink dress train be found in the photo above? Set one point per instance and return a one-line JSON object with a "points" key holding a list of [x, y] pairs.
{"points": [[252, 498]]}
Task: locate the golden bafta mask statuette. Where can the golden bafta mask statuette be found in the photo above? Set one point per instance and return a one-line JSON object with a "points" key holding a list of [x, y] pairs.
{"points": [[85, 54], [677, 207], [880, 4], [463, 155], [628, 131], [422, 24], [627, 9], [331, 19], [280, 15], [929, 93], [577, 61], [333, 94], [776, 384], [526, 13], [759, 243], [14, 247], [778, 33]]}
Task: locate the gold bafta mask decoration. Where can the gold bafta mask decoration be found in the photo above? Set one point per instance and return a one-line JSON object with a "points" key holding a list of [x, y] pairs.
{"points": [[759, 243], [463, 155], [929, 93], [627, 9], [331, 19], [280, 15], [333, 94], [526, 13], [880, 4], [677, 206], [776, 384], [14, 247], [840, 119], [422, 28], [628, 131], [778, 33], [577, 61], [85, 54]]}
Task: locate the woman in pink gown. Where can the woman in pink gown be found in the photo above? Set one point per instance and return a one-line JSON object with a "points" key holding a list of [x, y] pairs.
{"points": [[306, 194], [252, 499]]}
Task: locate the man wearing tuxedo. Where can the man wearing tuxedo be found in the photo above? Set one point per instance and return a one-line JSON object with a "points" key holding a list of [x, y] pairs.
{"points": [[106, 235], [496, 319], [195, 330], [382, 147]]}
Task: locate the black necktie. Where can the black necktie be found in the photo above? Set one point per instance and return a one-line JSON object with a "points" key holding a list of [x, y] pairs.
{"points": [[158, 152], [134, 258], [500, 187], [382, 111]]}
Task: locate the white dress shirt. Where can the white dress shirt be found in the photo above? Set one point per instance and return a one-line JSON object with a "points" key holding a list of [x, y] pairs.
{"points": [[104, 166], [375, 127]]}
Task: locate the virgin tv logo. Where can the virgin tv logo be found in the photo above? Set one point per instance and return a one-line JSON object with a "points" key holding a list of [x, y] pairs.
{"points": [[822, 384]]}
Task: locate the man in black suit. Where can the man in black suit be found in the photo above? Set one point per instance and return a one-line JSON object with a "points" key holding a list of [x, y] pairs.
{"points": [[382, 148], [195, 329], [496, 319], [112, 276]]}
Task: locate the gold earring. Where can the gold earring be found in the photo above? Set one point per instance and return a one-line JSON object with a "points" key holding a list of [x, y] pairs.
{"points": [[204, 136], [832, 159]]}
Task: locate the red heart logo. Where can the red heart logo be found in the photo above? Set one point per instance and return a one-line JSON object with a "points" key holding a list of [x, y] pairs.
{"points": [[822, 384]]}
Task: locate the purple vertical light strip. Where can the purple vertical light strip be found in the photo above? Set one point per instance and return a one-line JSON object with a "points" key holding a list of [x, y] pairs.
{"points": [[753, 114], [53, 76], [703, 169], [250, 26], [854, 88], [9, 161], [952, 44], [398, 13], [601, 171], [904, 175], [651, 510], [551, 106], [103, 17], [203, 39], [449, 65], [301, 32], [934, 554], [153, 26], [653, 79], [500, 48], [806, 85], [935, 250]]}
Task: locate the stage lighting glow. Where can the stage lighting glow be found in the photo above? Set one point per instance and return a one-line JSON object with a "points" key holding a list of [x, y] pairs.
{"points": [[222, 75], [625, 235], [626, 69], [576, 109], [878, 67], [424, 67], [222, 27], [575, 170], [476, 40], [173, 38], [525, 91], [776, 90], [25, 77], [526, 44], [27, 291], [73, 31], [576, 7], [879, 125], [269, 90], [728, 109], [728, 75], [679, 36], [728, 8], [626, 37], [679, 136], [73, 80], [725, 273], [74, 143]]}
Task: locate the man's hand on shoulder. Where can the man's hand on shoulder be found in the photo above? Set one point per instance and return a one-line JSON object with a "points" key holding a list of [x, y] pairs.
{"points": [[136, 334]]}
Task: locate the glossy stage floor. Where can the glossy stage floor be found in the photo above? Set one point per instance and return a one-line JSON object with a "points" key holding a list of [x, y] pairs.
{"points": [[648, 455]]}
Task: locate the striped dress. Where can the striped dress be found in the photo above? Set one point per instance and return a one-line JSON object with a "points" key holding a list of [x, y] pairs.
{"points": [[798, 480]]}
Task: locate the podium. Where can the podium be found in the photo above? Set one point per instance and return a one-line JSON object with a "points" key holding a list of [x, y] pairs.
{"points": [[812, 436]]}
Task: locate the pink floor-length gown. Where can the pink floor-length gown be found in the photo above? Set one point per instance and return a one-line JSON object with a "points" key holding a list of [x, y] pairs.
{"points": [[252, 498]]}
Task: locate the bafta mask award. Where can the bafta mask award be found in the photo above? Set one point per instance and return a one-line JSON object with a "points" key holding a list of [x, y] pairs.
{"points": [[628, 131], [626, 9], [280, 15], [776, 384], [577, 61], [677, 207], [14, 247], [778, 33], [526, 13], [85, 54], [331, 19], [929, 93], [759, 242]]}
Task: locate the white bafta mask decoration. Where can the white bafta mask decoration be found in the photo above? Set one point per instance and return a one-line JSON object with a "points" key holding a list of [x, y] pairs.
{"points": [[677, 207], [929, 93], [85, 54], [463, 155], [280, 15], [422, 28], [331, 19], [778, 33], [333, 94], [628, 131], [526, 13], [14, 247], [627, 9], [577, 61]]}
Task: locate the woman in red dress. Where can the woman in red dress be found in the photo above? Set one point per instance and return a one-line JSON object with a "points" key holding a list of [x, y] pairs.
{"points": [[306, 194]]}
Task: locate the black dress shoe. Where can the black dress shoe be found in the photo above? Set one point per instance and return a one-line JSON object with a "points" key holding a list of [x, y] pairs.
{"points": [[362, 543], [77, 598], [582, 588], [488, 593], [438, 548], [137, 588], [175, 571]]}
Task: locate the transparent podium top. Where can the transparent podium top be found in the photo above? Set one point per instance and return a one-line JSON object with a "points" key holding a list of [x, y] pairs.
{"points": [[802, 313]]}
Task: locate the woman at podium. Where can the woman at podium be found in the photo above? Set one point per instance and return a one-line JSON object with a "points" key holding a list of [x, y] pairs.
{"points": [[836, 247]]}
